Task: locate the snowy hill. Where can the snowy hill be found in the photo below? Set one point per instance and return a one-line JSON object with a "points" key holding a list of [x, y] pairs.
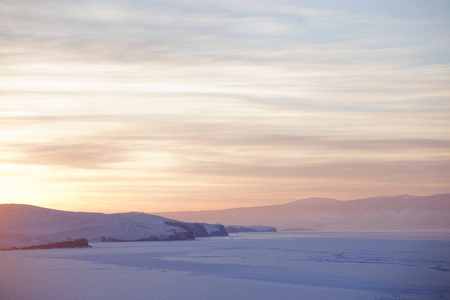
{"points": [[403, 212], [26, 225]]}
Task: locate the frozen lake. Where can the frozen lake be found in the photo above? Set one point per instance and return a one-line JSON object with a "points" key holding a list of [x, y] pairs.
{"points": [[308, 265]]}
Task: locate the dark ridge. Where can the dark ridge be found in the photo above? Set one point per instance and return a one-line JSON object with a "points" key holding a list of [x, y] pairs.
{"points": [[237, 229], [220, 232], [198, 229], [174, 237], [80, 243]]}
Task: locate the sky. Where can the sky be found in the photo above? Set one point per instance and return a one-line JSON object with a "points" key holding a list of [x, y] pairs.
{"points": [[151, 106]]}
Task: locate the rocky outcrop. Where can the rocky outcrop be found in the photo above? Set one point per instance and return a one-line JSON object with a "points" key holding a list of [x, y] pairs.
{"points": [[258, 228], [215, 230], [80, 243], [173, 237], [201, 229]]}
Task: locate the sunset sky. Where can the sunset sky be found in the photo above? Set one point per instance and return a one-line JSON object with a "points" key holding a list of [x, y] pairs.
{"points": [[151, 106]]}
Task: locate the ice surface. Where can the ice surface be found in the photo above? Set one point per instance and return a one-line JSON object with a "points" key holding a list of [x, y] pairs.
{"points": [[242, 266]]}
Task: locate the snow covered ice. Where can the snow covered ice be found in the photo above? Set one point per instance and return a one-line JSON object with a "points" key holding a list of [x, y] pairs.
{"points": [[308, 265]]}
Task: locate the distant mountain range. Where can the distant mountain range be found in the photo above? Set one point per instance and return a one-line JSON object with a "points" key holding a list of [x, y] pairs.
{"points": [[403, 212], [26, 225]]}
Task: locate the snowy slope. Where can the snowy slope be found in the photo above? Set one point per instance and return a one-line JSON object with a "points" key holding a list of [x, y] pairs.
{"points": [[25, 225], [402, 212]]}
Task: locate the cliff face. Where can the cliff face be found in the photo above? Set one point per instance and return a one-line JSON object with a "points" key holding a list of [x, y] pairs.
{"points": [[201, 229], [259, 228], [215, 229]]}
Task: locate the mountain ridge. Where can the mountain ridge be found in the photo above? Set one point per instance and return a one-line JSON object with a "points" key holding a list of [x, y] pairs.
{"points": [[399, 212]]}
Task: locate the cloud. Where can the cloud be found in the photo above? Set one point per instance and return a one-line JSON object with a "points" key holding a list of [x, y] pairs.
{"points": [[256, 96], [98, 141], [388, 173], [93, 155]]}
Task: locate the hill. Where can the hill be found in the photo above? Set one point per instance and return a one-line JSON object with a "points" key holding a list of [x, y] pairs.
{"points": [[402, 212], [26, 225]]}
